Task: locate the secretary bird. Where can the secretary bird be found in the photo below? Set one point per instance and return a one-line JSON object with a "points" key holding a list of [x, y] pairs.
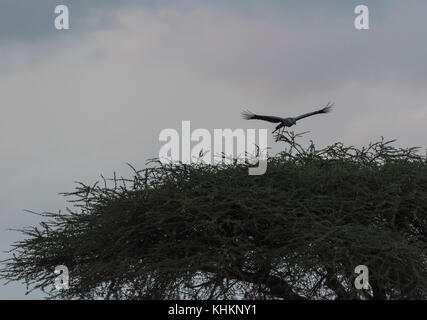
{"points": [[285, 122]]}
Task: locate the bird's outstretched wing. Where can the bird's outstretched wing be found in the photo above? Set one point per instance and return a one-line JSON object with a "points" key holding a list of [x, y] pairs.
{"points": [[326, 109], [252, 116]]}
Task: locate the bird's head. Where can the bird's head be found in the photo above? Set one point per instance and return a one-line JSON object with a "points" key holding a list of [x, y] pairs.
{"points": [[290, 122]]}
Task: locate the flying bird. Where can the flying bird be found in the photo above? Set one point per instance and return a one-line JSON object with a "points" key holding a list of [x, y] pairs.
{"points": [[285, 122]]}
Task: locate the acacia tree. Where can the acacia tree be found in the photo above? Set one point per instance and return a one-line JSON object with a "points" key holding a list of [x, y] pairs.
{"points": [[179, 231]]}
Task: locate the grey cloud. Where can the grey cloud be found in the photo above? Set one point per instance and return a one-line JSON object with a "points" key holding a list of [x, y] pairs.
{"points": [[32, 21], [310, 56]]}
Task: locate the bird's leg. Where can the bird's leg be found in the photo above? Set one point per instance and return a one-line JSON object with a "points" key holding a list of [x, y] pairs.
{"points": [[278, 127]]}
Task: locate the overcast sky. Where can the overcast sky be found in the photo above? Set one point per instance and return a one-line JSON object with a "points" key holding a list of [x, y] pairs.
{"points": [[83, 102]]}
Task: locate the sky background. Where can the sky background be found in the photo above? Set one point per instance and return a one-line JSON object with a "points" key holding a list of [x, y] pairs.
{"points": [[83, 102]]}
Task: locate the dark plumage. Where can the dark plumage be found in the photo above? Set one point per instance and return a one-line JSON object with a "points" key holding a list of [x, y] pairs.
{"points": [[284, 122]]}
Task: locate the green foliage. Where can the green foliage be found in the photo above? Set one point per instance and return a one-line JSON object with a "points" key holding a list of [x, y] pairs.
{"points": [[213, 231]]}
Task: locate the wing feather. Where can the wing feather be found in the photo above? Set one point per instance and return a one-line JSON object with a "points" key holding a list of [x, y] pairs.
{"points": [[326, 109], [252, 116]]}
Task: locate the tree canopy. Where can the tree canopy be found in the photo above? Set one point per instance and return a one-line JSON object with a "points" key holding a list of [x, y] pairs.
{"points": [[199, 231]]}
